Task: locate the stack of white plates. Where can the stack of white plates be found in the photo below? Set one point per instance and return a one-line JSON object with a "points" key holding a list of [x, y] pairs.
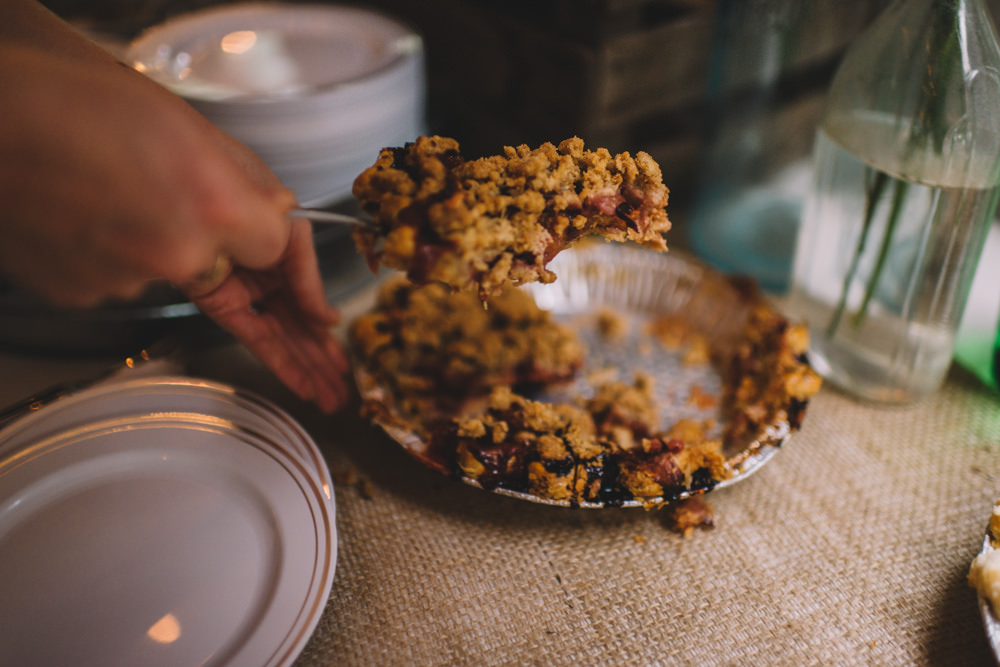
{"points": [[314, 90], [162, 521]]}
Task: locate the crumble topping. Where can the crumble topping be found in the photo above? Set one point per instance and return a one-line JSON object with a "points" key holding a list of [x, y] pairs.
{"points": [[624, 414], [550, 450], [611, 324], [681, 459], [769, 376], [685, 515], [563, 452], [428, 342], [480, 224], [676, 333]]}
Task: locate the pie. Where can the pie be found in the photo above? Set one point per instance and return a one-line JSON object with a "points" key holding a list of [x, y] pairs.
{"points": [[478, 225], [463, 375], [499, 394]]}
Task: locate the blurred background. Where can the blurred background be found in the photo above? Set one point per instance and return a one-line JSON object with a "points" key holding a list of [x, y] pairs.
{"points": [[622, 74], [724, 94]]}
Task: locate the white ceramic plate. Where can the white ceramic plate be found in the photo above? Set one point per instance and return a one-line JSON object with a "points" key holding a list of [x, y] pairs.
{"points": [[162, 537], [164, 395]]}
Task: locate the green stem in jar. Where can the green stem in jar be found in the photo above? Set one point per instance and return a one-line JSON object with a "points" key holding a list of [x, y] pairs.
{"points": [[929, 130], [898, 197], [875, 182]]}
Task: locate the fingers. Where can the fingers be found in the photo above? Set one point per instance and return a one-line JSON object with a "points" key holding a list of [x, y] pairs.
{"points": [[299, 350], [317, 366], [255, 236], [301, 267], [211, 279]]}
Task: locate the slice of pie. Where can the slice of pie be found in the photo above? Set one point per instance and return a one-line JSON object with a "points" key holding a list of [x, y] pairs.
{"points": [[480, 224]]}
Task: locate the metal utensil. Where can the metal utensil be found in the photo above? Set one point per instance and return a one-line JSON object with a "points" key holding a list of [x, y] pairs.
{"points": [[316, 215]]}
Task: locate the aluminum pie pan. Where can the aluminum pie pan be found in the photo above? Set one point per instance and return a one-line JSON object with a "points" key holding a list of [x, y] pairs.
{"points": [[636, 285]]}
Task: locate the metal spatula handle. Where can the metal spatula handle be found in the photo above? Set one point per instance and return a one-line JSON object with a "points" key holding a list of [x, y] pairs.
{"points": [[316, 215]]}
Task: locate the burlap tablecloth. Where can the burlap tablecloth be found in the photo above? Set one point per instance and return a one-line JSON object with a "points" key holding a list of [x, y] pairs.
{"points": [[851, 546]]}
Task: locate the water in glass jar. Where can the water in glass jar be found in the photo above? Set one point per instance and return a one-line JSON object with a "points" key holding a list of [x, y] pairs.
{"points": [[884, 261]]}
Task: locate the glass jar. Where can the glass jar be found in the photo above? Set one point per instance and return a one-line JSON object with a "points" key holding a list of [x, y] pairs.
{"points": [[906, 174]]}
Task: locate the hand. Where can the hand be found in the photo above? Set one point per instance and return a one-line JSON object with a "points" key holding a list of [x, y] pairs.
{"points": [[282, 316], [109, 181]]}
